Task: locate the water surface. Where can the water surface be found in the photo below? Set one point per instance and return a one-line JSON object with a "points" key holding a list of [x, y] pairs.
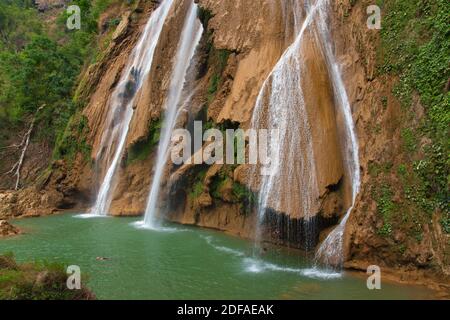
{"points": [[181, 263]]}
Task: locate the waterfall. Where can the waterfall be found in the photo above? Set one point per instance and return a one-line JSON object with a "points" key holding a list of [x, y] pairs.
{"points": [[190, 38], [280, 105], [331, 251], [121, 104]]}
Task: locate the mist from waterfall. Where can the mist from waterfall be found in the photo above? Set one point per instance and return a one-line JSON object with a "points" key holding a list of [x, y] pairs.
{"points": [[121, 105], [190, 38]]}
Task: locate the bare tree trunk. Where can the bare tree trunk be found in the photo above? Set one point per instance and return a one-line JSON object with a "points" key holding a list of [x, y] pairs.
{"points": [[17, 167]]}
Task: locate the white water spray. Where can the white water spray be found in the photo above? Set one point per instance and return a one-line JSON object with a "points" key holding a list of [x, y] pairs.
{"points": [[190, 38], [121, 105]]}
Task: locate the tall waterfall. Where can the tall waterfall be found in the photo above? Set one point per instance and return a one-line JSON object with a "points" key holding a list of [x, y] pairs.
{"points": [[190, 38], [331, 250], [121, 104], [280, 105]]}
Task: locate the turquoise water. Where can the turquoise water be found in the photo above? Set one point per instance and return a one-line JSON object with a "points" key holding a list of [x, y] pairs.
{"points": [[181, 263]]}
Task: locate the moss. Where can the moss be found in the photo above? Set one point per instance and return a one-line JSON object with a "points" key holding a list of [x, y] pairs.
{"points": [[197, 190], [402, 170], [218, 183], [386, 208], [204, 16], [197, 183], [218, 60], [245, 197], [73, 140], [142, 149]]}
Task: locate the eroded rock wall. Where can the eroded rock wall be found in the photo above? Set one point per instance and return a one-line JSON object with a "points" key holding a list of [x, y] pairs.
{"points": [[413, 241], [242, 43]]}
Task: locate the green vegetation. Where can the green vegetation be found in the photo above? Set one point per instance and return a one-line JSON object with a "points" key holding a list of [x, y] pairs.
{"points": [[204, 15], [386, 208], [197, 183], [142, 149], [409, 140], [219, 182], [240, 194], [197, 190], [36, 281], [73, 140], [218, 59], [415, 45], [245, 197], [39, 66]]}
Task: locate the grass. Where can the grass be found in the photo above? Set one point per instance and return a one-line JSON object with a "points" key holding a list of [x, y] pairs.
{"points": [[39, 280]]}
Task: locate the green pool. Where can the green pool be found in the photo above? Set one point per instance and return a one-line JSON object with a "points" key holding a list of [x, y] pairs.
{"points": [[182, 263]]}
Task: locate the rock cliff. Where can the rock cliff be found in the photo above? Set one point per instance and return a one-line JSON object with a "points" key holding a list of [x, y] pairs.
{"points": [[242, 43]]}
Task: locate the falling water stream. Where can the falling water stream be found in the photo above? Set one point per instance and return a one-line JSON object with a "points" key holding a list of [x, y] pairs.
{"points": [[167, 264], [121, 104], [190, 38], [281, 105], [331, 250]]}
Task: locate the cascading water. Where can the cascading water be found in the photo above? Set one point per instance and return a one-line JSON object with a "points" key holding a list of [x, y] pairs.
{"points": [[280, 105], [121, 104], [331, 251], [190, 38]]}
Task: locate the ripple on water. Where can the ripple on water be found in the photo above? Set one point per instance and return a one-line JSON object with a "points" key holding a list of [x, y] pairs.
{"points": [[143, 226], [253, 265], [90, 216]]}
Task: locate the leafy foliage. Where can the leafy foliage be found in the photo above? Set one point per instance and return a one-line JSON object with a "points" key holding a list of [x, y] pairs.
{"points": [[415, 45], [40, 67]]}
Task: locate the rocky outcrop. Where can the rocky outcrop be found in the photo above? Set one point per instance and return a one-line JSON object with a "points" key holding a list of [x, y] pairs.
{"points": [[413, 241], [7, 229], [44, 5]]}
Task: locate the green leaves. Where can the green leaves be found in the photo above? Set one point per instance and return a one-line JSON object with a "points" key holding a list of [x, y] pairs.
{"points": [[415, 45], [39, 67]]}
